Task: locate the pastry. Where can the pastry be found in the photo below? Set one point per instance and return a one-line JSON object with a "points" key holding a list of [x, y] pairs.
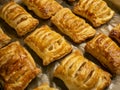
{"points": [[18, 18], [4, 39], [48, 44], [43, 8], [17, 67], [44, 87], [106, 51], [96, 11], [115, 33], [78, 73], [74, 27]]}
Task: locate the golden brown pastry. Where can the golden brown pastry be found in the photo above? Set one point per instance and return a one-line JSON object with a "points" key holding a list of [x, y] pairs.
{"points": [[48, 44], [18, 18], [74, 27], [106, 51], [43, 8], [78, 73], [17, 67], [44, 87], [4, 39], [96, 11], [115, 33]]}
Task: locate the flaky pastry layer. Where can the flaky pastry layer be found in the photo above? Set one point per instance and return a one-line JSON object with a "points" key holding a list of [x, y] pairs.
{"points": [[106, 51], [48, 44], [96, 11], [17, 67], [71, 25], [78, 73], [43, 8], [18, 18]]}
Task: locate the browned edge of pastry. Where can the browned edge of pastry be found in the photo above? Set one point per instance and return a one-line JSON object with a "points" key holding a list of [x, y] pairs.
{"points": [[106, 51], [115, 33]]}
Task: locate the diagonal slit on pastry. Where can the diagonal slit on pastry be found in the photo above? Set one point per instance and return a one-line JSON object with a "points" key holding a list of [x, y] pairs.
{"points": [[71, 25], [78, 73], [43, 8], [106, 51], [18, 18], [96, 11], [48, 44], [17, 67]]}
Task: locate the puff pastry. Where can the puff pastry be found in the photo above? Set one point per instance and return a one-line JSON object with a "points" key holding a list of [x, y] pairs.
{"points": [[18, 18], [78, 73], [48, 44], [106, 51], [44, 87], [74, 27], [96, 11], [43, 8], [4, 39], [17, 67], [115, 33]]}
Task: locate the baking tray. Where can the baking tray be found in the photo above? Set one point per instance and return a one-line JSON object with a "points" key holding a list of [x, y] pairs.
{"points": [[47, 71]]}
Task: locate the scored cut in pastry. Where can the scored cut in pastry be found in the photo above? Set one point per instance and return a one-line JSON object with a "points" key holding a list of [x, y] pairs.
{"points": [[48, 44], [4, 39], [78, 73], [17, 67], [106, 51], [18, 18], [115, 33], [74, 27], [43, 8], [96, 11], [44, 87]]}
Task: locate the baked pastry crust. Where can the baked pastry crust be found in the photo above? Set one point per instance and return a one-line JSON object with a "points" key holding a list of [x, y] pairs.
{"points": [[44, 87], [106, 51], [115, 33], [48, 44], [74, 27], [4, 39], [96, 11], [18, 18], [43, 8], [17, 67], [78, 73]]}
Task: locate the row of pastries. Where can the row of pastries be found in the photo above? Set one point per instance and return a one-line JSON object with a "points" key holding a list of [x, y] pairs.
{"points": [[17, 66]]}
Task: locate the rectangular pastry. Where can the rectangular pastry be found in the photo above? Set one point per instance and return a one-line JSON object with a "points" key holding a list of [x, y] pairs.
{"points": [[18, 18], [78, 73], [44, 87], [106, 51], [115, 33], [17, 67], [4, 39], [74, 27], [48, 44], [96, 11], [43, 8]]}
